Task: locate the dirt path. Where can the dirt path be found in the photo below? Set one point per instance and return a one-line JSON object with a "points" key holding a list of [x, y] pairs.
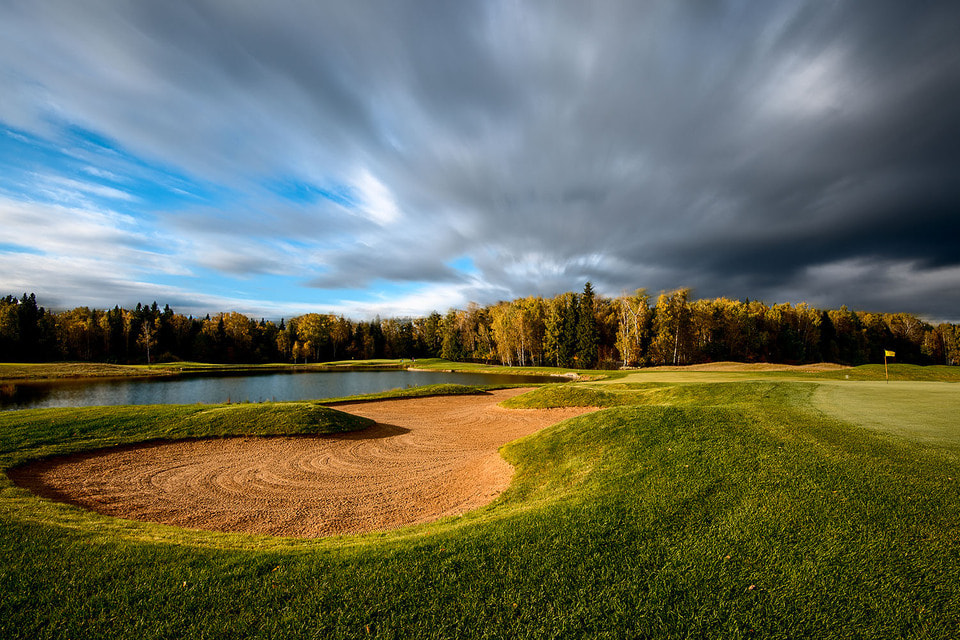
{"points": [[426, 458]]}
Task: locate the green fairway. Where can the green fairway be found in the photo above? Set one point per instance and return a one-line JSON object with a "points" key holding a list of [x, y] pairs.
{"points": [[693, 505]]}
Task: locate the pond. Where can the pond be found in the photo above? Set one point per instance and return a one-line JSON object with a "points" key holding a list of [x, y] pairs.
{"points": [[247, 388]]}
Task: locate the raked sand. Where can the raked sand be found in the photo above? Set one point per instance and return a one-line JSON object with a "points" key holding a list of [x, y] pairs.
{"points": [[426, 458]]}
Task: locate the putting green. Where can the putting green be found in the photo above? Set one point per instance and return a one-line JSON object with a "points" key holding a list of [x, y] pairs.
{"points": [[928, 412]]}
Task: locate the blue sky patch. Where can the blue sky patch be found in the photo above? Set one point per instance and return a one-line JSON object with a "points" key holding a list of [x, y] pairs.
{"points": [[302, 192], [8, 247]]}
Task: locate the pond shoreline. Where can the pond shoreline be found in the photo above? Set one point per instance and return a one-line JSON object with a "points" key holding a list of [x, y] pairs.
{"points": [[79, 371], [48, 372], [214, 385]]}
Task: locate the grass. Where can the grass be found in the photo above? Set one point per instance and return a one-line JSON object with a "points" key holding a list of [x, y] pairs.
{"points": [[897, 372], [444, 389], [867, 372], [562, 395], [43, 432], [926, 412], [438, 364], [15, 372], [766, 508], [55, 370]]}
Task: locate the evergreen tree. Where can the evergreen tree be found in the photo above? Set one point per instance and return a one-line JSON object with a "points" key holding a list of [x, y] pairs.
{"points": [[828, 339], [553, 328], [28, 316], [586, 330], [220, 339]]}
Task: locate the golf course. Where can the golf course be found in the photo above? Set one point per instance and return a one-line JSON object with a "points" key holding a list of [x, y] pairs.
{"points": [[723, 502]]}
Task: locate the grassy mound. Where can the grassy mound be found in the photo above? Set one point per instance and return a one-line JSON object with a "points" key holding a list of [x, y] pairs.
{"points": [[715, 394], [652, 393], [55, 370], [443, 389], [42, 432], [765, 521], [561, 395]]}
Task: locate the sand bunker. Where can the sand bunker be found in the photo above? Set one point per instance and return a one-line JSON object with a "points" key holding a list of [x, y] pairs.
{"points": [[426, 458]]}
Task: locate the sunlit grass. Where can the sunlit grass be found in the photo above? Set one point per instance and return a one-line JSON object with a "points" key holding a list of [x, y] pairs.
{"points": [[47, 370], [444, 389], [563, 395], [707, 508], [38, 433], [927, 412], [897, 372], [438, 364]]}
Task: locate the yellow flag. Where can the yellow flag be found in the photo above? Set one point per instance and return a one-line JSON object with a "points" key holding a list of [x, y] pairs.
{"points": [[889, 354]]}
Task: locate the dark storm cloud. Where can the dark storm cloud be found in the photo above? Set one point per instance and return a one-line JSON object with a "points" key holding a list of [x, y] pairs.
{"points": [[780, 150]]}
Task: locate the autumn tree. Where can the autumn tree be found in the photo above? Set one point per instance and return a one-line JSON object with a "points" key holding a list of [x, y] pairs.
{"points": [[111, 333], [9, 328], [315, 329], [299, 350], [504, 323], [605, 313], [907, 332], [933, 348], [398, 337], [340, 331], [673, 328], [950, 335], [633, 326], [533, 310], [147, 338], [522, 331], [848, 331], [284, 344], [806, 322], [371, 340], [238, 332], [74, 328], [451, 346], [518, 330]]}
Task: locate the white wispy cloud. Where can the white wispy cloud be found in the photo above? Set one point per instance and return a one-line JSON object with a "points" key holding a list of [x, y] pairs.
{"points": [[732, 148]]}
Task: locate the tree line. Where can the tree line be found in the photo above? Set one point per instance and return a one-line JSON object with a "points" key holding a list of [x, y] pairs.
{"points": [[582, 330]]}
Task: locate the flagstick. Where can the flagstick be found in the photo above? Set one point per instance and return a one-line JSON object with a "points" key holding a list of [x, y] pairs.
{"points": [[885, 372]]}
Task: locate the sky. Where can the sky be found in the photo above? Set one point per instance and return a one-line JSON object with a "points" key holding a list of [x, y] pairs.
{"points": [[396, 157]]}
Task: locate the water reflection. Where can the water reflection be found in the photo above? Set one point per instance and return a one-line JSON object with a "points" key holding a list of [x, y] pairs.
{"points": [[248, 388]]}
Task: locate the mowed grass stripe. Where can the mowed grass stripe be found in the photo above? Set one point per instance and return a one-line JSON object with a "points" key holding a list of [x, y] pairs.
{"points": [[735, 510]]}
